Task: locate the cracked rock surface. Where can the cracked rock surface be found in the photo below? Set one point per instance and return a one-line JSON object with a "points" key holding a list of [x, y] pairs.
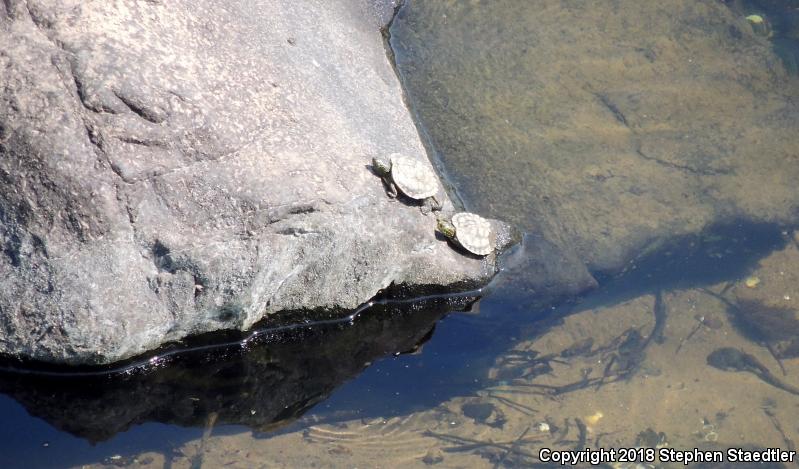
{"points": [[172, 168]]}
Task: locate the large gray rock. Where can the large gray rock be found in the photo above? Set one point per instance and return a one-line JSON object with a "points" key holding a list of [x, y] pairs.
{"points": [[172, 168]]}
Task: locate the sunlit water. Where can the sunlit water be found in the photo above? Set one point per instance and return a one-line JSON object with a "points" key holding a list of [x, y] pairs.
{"points": [[513, 98]]}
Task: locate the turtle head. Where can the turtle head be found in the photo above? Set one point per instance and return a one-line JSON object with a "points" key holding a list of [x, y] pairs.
{"points": [[381, 166], [446, 228]]}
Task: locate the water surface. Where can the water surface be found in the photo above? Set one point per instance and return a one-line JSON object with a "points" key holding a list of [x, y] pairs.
{"points": [[647, 149]]}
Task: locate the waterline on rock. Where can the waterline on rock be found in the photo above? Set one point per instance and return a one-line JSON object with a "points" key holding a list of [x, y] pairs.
{"points": [[260, 337]]}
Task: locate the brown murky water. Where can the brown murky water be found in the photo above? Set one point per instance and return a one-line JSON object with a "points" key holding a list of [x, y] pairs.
{"points": [[612, 129]]}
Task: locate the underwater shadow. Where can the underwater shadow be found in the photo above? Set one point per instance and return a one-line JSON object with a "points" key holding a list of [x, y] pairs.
{"points": [[724, 252]]}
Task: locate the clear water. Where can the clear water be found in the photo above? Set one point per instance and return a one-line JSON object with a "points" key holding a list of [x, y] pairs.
{"points": [[468, 382]]}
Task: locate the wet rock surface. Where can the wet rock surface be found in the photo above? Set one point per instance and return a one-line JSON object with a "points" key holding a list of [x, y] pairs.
{"points": [[607, 130], [168, 169]]}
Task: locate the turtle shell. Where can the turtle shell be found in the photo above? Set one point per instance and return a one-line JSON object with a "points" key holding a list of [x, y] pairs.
{"points": [[412, 177], [474, 233]]}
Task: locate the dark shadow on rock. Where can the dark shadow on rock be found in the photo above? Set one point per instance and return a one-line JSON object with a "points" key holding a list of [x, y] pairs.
{"points": [[263, 383]]}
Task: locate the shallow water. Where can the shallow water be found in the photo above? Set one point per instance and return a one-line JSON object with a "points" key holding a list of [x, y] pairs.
{"points": [[608, 128], [515, 101]]}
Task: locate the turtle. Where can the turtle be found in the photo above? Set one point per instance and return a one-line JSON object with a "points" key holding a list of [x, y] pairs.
{"points": [[470, 231], [409, 176]]}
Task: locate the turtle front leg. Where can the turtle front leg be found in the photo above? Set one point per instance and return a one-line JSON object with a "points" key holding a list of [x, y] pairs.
{"points": [[435, 204], [431, 204], [391, 188]]}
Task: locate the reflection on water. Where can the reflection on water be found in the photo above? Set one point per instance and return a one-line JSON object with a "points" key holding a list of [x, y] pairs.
{"points": [[263, 383], [649, 151]]}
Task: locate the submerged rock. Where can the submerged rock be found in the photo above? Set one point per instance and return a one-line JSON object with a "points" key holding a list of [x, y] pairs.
{"points": [[168, 169], [608, 130]]}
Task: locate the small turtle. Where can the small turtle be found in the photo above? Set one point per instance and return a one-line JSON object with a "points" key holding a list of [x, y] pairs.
{"points": [[411, 177], [470, 231]]}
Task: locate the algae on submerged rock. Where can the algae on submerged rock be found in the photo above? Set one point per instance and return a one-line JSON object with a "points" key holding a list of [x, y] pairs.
{"points": [[605, 128]]}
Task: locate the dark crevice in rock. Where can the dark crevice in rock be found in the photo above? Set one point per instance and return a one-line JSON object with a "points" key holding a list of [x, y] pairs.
{"points": [[139, 109], [96, 140], [166, 262], [386, 29], [302, 209], [129, 211], [282, 212], [161, 258], [297, 231], [40, 21], [12, 249], [66, 69], [229, 312], [140, 141]]}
